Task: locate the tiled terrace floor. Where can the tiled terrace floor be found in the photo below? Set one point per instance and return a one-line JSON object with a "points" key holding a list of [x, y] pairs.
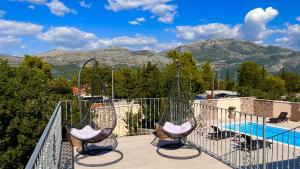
{"points": [[136, 152]]}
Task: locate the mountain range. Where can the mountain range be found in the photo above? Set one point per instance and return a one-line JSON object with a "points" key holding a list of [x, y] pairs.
{"points": [[223, 52]]}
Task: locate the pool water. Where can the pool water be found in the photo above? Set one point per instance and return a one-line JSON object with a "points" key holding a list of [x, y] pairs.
{"points": [[256, 129]]}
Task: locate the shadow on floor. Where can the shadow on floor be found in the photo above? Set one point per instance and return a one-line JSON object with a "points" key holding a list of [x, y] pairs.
{"points": [[174, 145], [99, 150]]}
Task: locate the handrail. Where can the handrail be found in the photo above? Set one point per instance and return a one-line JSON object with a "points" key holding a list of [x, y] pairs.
{"points": [[34, 156], [287, 131]]}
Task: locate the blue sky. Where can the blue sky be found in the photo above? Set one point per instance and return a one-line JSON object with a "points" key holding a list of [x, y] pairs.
{"points": [[34, 26]]}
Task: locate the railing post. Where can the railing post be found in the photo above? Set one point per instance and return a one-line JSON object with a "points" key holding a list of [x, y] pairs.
{"points": [[264, 143]]}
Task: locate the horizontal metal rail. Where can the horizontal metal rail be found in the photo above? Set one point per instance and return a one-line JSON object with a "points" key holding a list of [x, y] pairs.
{"points": [[287, 131]]}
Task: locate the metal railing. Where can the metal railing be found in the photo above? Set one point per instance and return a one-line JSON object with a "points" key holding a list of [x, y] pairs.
{"points": [[134, 116], [47, 151], [285, 153], [238, 139]]}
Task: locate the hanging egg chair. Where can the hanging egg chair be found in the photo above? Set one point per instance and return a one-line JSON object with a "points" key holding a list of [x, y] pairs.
{"points": [[177, 120], [99, 120]]}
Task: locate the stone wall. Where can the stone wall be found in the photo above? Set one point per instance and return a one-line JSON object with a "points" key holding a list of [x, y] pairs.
{"points": [[247, 105], [206, 112], [295, 112], [263, 108], [230, 102], [210, 102], [251, 105], [282, 106]]}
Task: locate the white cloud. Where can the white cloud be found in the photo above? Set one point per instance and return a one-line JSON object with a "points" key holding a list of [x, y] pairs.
{"points": [[118, 5], [254, 27], [165, 12], [14, 28], [32, 7], [291, 37], [2, 13], [39, 2], [84, 4], [58, 8], [134, 41], [133, 22], [68, 37], [282, 40], [9, 40], [140, 19], [137, 21], [12, 32], [298, 18], [209, 31], [75, 39], [55, 6], [137, 42]]}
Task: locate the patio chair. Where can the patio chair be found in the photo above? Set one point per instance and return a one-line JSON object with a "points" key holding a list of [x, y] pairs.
{"points": [[249, 144], [219, 135], [177, 120], [281, 118], [99, 120]]}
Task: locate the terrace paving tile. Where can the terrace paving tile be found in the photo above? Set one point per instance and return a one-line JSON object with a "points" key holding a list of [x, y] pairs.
{"points": [[138, 153]]}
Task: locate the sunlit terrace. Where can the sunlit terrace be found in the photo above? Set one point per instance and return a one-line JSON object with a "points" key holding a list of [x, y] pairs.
{"points": [[173, 132], [132, 144]]}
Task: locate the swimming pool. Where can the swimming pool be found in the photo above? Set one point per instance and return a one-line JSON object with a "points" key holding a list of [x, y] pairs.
{"points": [[256, 129]]}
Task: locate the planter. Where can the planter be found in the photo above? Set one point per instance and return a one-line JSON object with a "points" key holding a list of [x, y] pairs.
{"points": [[231, 112]]}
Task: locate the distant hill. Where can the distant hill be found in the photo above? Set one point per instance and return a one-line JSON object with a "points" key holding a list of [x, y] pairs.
{"points": [[229, 52], [110, 56], [12, 60], [233, 52]]}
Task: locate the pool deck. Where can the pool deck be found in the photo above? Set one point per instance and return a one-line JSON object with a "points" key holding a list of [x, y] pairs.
{"points": [[136, 152], [287, 125]]}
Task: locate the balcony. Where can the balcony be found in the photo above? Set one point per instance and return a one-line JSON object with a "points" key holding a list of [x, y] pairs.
{"points": [[137, 152], [222, 135]]}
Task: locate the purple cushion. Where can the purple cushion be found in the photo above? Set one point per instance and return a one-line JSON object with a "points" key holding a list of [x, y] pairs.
{"points": [[85, 133], [177, 129]]}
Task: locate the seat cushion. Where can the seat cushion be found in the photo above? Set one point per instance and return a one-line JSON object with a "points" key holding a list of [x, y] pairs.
{"points": [[177, 129], [85, 133]]}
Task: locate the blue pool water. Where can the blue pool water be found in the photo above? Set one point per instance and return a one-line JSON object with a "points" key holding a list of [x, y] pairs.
{"points": [[256, 129]]}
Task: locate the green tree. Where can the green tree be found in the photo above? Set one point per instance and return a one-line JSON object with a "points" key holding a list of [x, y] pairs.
{"points": [[256, 81], [150, 82], [207, 75], [28, 95], [292, 81], [250, 74], [192, 81]]}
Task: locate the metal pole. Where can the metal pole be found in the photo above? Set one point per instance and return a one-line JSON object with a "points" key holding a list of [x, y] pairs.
{"points": [[213, 83], [78, 85], [226, 77], [177, 78], [190, 74], [264, 143], [112, 83], [218, 79], [235, 78]]}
